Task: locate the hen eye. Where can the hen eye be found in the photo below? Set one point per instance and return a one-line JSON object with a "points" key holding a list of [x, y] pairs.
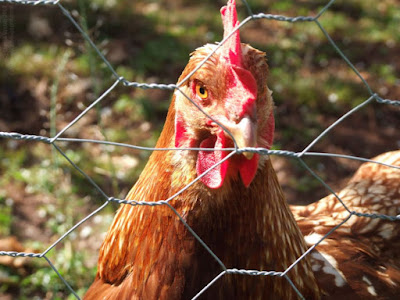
{"points": [[201, 91]]}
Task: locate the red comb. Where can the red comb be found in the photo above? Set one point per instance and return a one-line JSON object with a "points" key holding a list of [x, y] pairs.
{"points": [[241, 86], [231, 48]]}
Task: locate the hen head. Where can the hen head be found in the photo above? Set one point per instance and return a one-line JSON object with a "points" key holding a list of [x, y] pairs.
{"points": [[231, 88]]}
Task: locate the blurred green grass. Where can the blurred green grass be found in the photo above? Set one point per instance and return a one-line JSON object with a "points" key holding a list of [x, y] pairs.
{"points": [[51, 74]]}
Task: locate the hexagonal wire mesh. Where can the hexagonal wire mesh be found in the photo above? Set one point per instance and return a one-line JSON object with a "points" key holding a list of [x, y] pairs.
{"points": [[374, 97]]}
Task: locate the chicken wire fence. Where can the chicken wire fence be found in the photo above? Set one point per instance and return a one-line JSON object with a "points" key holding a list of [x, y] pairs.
{"points": [[374, 97]]}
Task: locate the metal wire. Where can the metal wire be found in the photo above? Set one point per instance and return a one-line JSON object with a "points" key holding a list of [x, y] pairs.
{"points": [[261, 151]]}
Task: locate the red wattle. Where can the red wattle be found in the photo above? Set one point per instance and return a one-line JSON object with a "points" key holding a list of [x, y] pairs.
{"points": [[206, 159], [248, 169]]}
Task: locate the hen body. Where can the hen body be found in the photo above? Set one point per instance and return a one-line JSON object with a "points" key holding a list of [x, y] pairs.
{"points": [[361, 258], [238, 208]]}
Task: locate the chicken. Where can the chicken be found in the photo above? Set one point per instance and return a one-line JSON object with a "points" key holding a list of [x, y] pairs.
{"points": [[237, 208], [361, 258]]}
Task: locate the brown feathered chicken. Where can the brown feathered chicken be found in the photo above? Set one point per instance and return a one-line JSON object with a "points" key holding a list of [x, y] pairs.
{"points": [[237, 208], [361, 258]]}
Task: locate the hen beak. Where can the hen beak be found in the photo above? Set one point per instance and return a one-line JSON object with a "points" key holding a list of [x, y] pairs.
{"points": [[244, 134]]}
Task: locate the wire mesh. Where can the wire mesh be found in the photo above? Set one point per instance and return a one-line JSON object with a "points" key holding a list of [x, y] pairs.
{"points": [[374, 97]]}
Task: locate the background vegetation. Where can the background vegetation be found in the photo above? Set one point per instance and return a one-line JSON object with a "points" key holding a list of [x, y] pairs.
{"points": [[49, 74]]}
